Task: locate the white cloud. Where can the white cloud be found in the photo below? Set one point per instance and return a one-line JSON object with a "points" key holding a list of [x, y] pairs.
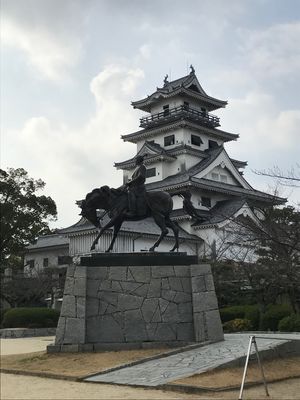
{"points": [[262, 124], [274, 51], [52, 56], [72, 162], [145, 51], [269, 136]]}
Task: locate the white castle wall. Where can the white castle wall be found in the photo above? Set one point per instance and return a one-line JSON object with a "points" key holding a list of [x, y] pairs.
{"points": [[125, 243], [181, 136], [39, 255], [221, 172]]}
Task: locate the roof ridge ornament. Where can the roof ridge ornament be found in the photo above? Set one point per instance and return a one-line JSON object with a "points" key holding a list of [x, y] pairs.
{"points": [[192, 70], [166, 80]]}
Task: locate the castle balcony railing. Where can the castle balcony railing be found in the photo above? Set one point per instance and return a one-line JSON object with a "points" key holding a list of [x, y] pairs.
{"points": [[183, 111]]}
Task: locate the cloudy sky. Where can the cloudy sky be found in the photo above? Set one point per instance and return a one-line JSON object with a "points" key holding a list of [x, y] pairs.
{"points": [[70, 68]]}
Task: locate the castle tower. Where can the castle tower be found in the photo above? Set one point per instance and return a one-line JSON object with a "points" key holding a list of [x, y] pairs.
{"points": [[183, 148]]}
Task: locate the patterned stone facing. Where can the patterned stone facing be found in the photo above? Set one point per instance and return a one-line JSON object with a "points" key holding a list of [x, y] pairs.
{"points": [[231, 351], [117, 306]]}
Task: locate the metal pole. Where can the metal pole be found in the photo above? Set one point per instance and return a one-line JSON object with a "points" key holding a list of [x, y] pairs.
{"points": [[245, 368], [261, 367]]}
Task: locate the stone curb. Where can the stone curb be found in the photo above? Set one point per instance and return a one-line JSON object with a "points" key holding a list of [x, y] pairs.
{"points": [[17, 333], [40, 374]]}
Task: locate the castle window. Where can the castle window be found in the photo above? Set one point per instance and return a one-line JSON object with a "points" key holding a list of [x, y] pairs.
{"points": [[224, 178], [215, 176], [206, 202], [150, 172], [169, 140], [204, 111], [30, 263], [196, 140], [212, 144], [186, 105], [45, 262], [166, 110]]}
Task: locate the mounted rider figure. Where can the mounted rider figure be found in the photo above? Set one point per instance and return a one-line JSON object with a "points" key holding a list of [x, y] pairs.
{"points": [[137, 190]]}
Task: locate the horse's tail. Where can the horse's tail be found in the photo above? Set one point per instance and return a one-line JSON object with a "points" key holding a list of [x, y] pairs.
{"points": [[181, 193], [187, 202]]}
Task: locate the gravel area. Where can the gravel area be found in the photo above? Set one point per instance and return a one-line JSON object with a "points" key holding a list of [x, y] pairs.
{"points": [[14, 387], [25, 345]]}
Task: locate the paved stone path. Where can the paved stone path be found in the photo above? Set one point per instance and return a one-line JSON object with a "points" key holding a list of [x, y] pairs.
{"points": [[190, 362]]}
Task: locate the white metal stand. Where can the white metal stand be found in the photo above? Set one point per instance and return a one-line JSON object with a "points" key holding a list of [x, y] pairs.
{"points": [[252, 341]]}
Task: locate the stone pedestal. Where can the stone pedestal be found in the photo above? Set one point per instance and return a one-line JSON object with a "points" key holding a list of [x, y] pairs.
{"points": [[115, 307]]}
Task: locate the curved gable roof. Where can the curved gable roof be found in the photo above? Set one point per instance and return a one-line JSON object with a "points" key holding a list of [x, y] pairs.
{"points": [[151, 151], [219, 156], [188, 85], [226, 211]]}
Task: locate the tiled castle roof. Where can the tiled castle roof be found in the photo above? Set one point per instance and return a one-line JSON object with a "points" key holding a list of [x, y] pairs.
{"points": [[53, 240], [157, 152], [188, 85], [222, 211], [151, 132], [188, 179], [144, 227]]}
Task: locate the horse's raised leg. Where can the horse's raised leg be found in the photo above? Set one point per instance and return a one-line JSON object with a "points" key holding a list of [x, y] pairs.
{"points": [[102, 230], [117, 227], [160, 221], [97, 238], [174, 227]]}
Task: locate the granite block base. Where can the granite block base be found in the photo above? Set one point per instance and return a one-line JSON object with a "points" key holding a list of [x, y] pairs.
{"points": [[123, 307]]}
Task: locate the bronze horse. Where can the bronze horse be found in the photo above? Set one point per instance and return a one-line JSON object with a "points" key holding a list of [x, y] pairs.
{"points": [[159, 205]]}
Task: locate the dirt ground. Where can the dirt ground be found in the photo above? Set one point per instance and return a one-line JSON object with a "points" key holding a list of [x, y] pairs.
{"points": [[281, 368], [29, 354], [74, 364], [78, 365], [18, 387]]}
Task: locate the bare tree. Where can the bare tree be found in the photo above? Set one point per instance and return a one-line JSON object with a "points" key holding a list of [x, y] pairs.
{"points": [[263, 257], [289, 178]]}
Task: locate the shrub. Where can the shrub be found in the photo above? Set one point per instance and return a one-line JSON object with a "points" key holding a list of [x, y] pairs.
{"points": [[2, 312], [237, 325], [290, 323], [231, 313], [273, 315], [250, 312], [38, 317]]}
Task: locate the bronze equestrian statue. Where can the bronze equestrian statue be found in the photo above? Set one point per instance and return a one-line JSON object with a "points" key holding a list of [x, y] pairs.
{"points": [[131, 202], [136, 189]]}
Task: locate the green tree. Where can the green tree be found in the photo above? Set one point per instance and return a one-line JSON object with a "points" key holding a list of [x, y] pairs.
{"points": [[24, 214]]}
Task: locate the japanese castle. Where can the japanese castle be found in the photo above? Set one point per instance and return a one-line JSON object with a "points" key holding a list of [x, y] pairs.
{"points": [[183, 148]]}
